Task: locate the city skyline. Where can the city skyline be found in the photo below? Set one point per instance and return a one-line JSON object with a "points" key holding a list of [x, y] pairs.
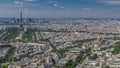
{"points": [[59, 34], [61, 8]]}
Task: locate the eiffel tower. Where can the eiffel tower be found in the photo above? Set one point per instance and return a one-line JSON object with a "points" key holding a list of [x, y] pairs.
{"points": [[21, 28]]}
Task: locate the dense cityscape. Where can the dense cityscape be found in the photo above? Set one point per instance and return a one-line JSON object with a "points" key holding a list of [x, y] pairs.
{"points": [[59, 43], [59, 33]]}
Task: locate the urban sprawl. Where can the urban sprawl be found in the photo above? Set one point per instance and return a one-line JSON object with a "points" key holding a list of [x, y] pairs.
{"points": [[67, 43]]}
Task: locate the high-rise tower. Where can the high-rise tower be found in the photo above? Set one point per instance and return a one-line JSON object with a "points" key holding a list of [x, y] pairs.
{"points": [[21, 19], [21, 28]]}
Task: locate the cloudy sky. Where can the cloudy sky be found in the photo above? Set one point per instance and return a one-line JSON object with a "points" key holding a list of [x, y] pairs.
{"points": [[61, 8]]}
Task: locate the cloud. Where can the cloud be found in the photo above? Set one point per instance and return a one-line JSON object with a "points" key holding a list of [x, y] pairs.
{"points": [[55, 5], [61, 6], [114, 2], [18, 2], [36, 5], [51, 1], [86, 8], [30, 0], [110, 2]]}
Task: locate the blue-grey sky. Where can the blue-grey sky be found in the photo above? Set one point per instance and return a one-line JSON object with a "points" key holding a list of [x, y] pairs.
{"points": [[61, 8]]}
